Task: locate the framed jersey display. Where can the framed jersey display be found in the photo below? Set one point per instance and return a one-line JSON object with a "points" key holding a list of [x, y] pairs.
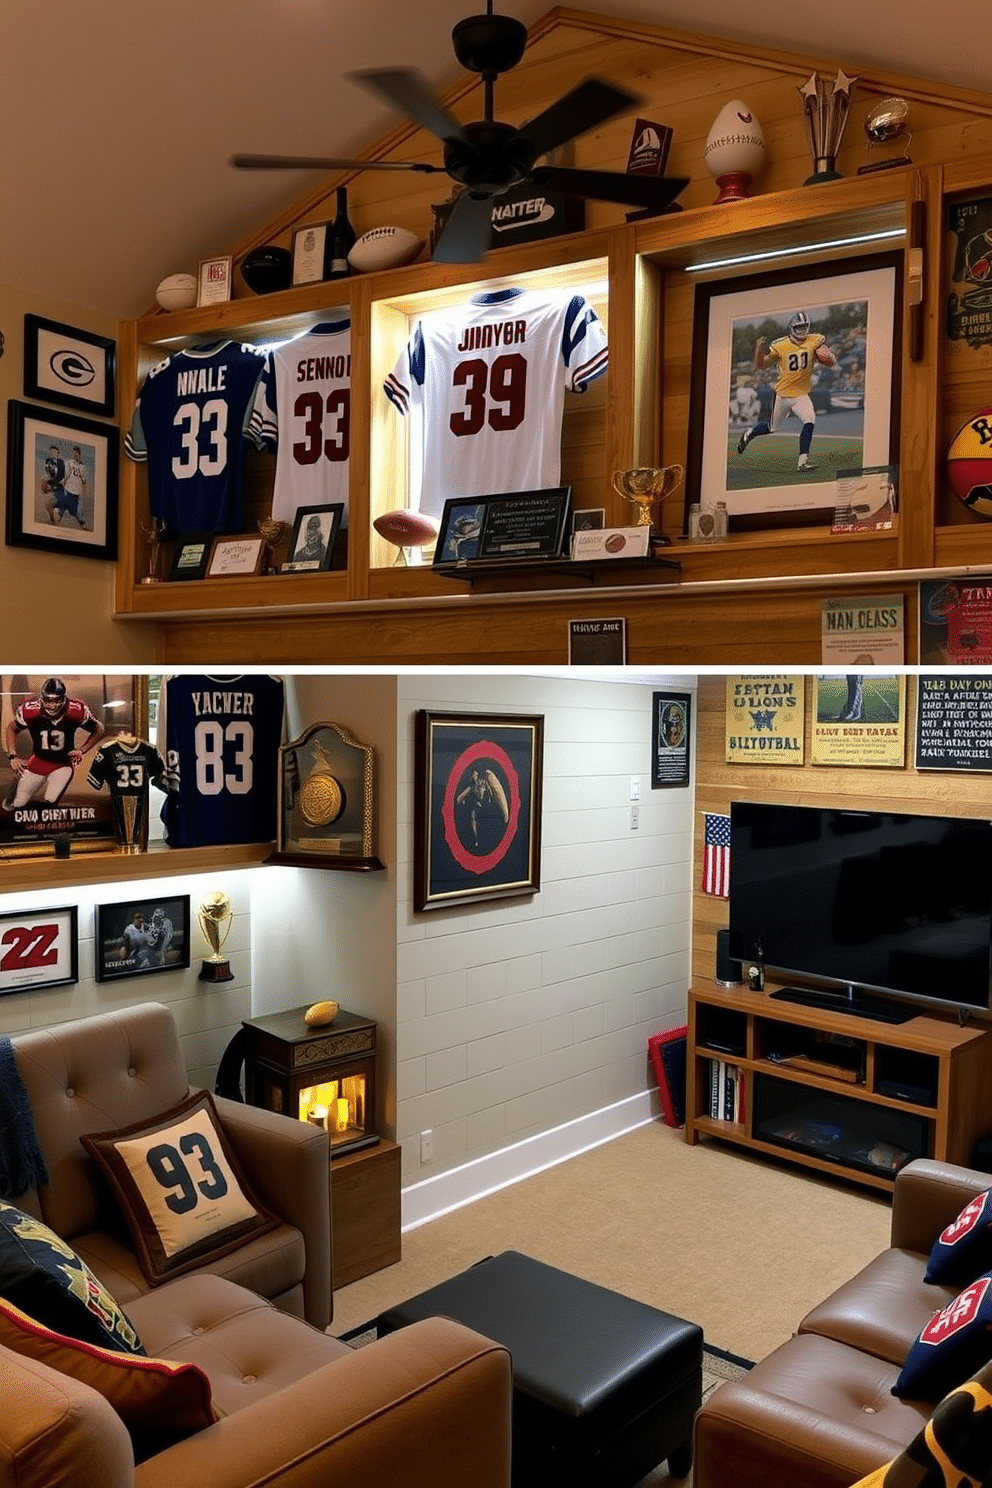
{"points": [[52, 732], [61, 482], [795, 377]]}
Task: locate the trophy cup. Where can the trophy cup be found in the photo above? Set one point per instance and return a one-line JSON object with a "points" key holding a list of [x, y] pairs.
{"points": [[648, 486], [885, 124], [214, 916], [825, 115], [152, 531], [272, 532]]}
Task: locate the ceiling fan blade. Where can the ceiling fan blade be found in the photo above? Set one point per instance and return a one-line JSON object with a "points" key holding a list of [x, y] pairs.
{"points": [[654, 192], [585, 106], [467, 233], [410, 91], [325, 162]]}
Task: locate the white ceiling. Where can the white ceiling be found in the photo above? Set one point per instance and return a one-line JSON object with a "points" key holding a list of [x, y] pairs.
{"points": [[118, 116]]}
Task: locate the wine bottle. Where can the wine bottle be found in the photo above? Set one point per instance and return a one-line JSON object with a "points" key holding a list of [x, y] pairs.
{"points": [[340, 238]]}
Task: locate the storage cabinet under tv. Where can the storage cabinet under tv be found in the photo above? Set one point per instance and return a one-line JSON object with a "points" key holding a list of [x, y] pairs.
{"points": [[833, 1091]]}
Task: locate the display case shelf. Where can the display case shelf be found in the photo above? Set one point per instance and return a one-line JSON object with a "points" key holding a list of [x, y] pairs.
{"points": [[21, 874]]}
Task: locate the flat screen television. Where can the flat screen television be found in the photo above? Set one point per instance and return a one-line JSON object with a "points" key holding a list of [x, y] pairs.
{"points": [[864, 902]]}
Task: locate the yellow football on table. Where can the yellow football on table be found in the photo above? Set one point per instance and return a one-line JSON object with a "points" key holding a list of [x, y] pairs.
{"points": [[320, 1013]]}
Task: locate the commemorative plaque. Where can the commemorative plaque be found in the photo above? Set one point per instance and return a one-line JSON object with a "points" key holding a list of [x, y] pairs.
{"points": [[326, 800], [522, 527]]}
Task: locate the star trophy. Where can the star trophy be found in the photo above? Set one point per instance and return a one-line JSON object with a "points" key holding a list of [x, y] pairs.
{"points": [[825, 114], [648, 486], [272, 533], [152, 531], [214, 916]]}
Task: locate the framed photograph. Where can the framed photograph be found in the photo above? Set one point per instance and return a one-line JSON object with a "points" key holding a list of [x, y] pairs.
{"points": [[522, 527], [311, 543], [61, 482], [213, 285], [65, 365], [191, 556], [671, 714], [477, 808], [795, 377], [38, 948], [233, 557], [308, 253], [141, 936], [52, 726]]}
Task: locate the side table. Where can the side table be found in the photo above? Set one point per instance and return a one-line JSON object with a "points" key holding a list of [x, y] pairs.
{"points": [[365, 1211]]}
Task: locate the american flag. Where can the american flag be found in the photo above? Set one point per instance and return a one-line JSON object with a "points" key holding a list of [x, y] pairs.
{"points": [[716, 856]]}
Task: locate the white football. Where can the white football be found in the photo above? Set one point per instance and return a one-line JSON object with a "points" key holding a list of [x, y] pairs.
{"points": [[406, 529], [384, 248], [177, 292], [735, 142]]}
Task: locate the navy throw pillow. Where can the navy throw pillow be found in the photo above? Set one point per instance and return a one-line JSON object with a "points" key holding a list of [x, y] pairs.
{"points": [[964, 1250], [954, 1344]]}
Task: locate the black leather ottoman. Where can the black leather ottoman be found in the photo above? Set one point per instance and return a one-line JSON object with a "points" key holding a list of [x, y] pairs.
{"points": [[604, 1387]]}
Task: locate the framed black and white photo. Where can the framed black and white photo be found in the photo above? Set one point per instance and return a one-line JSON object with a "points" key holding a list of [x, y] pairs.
{"points": [[142, 936], [38, 948], [477, 807], [315, 532], [61, 482], [795, 377], [68, 366], [671, 713]]}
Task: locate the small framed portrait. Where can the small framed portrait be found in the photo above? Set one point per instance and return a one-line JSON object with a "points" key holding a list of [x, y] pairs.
{"points": [[191, 556], [61, 482], [38, 948], [235, 557], [141, 936], [68, 366], [213, 285], [315, 532], [477, 807], [795, 378], [308, 253]]}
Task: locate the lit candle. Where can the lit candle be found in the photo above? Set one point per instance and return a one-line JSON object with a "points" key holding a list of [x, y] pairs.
{"points": [[318, 1116], [341, 1123]]}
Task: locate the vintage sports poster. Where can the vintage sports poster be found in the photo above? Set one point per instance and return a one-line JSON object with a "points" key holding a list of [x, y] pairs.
{"points": [[860, 719], [956, 621], [670, 742], [863, 632], [969, 300], [954, 722], [765, 719]]}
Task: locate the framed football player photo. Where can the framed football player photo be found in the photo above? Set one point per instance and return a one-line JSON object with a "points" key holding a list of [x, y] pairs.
{"points": [[142, 936], [52, 728], [795, 377], [477, 808], [61, 482], [312, 541]]}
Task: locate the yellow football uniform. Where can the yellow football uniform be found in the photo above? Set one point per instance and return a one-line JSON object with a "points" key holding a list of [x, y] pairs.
{"points": [[795, 359]]}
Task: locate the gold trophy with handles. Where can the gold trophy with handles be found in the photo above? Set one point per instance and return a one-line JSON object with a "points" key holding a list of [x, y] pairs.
{"points": [[649, 486]]}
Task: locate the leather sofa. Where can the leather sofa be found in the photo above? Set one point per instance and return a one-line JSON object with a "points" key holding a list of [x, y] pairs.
{"points": [[819, 1411], [295, 1406]]}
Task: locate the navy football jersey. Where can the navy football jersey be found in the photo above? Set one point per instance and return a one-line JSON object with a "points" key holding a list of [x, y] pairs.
{"points": [[222, 738], [127, 769], [190, 424]]}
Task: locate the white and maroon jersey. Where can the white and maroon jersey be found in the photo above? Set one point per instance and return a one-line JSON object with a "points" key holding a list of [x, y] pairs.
{"points": [[486, 383], [52, 739], [302, 409], [190, 424]]}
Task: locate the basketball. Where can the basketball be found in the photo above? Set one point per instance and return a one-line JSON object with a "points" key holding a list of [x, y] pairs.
{"points": [[969, 462]]}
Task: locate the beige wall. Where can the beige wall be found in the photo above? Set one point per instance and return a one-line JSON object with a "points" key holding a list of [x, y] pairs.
{"points": [[56, 608]]}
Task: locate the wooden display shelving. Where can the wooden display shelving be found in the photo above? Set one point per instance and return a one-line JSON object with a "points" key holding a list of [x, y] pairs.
{"points": [[22, 874], [919, 1088]]}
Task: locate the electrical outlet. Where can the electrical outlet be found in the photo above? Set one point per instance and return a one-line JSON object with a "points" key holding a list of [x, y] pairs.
{"points": [[426, 1146], [635, 818], [635, 787]]}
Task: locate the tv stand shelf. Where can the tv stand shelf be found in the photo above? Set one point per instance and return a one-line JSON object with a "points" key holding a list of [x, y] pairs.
{"points": [[834, 1091]]}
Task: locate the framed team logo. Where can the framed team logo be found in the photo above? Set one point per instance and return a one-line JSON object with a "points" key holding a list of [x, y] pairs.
{"points": [[795, 377], [477, 808], [61, 482], [52, 729], [38, 948], [67, 366], [142, 936]]}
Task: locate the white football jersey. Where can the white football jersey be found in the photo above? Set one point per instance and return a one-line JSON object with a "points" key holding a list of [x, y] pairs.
{"points": [[486, 385], [302, 409]]}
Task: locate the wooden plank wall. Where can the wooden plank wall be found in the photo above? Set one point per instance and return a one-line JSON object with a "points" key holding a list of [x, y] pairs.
{"points": [[719, 783]]}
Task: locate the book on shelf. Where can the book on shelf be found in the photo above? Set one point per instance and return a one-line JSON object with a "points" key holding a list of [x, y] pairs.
{"points": [[726, 1102]]}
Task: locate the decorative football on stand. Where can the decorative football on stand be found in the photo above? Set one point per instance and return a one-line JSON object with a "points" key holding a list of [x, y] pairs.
{"points": [[384, 248], [406, 529], [969, 462]]}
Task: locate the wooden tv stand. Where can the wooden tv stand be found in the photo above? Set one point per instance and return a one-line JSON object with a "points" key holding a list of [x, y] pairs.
{"points": [[831, 1090]]}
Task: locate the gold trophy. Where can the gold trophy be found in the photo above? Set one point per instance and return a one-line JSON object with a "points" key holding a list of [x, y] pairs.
{"points": [[825, 115], [273, 532], [648, 486], [152, 531], [214, 916], [885, 125]]}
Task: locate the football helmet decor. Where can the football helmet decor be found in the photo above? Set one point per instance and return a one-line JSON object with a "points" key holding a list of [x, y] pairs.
{"points": [[825, 113], [53, 696], [799, 327]]}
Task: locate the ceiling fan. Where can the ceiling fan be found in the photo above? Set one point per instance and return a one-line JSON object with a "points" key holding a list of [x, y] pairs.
{"points": [[487, 157]]}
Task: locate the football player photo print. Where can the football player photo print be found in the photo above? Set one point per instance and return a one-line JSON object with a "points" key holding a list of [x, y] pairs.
{"points": [[62, 482], [796, 384], [133, 939]]}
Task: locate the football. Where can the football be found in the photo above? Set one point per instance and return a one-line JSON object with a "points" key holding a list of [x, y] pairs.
{"points": [[969, 462], [177, 292], [825, 356], [406, 529], [384, 248]]}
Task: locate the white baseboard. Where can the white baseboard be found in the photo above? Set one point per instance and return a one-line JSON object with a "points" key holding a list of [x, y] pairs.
{"points": [[432, 1197]]}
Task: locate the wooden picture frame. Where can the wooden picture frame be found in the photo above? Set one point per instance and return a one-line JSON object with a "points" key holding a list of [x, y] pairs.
{"points": [[856, 305], [313, 538], [477, 808], [138, 937], [61, 482], [38, 948], [68, 366], [236, 556]]}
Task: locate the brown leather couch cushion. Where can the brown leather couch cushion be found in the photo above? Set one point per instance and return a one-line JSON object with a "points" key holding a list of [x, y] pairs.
{"points": [[882, 1309]]}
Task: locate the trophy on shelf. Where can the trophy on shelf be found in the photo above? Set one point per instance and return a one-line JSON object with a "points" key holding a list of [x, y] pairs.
{"points": [[152, 531], [885, 124], [272, 533], [825, 113], [648, 486], [214, 916]]}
